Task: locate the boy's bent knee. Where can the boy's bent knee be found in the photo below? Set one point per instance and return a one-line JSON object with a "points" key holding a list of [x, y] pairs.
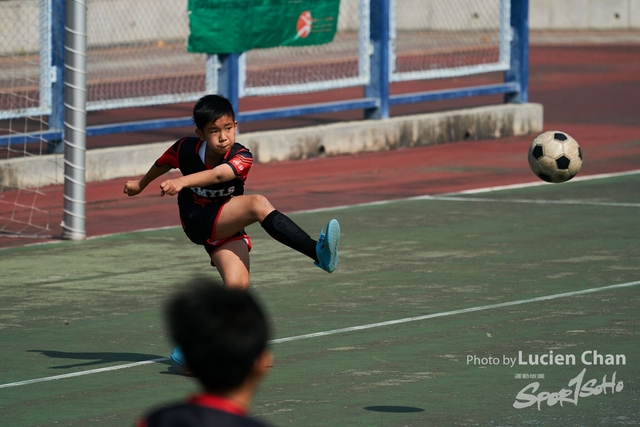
{"points": [[261, 206], [259, 200]]}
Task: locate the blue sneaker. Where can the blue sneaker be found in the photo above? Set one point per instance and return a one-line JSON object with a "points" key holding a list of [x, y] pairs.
{"points": [[178, 357], [327, 247]]}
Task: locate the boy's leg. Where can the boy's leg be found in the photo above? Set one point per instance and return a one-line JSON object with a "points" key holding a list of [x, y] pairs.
{"points": [[287, 232], [232, 262], [242, 211], [324, 252]]}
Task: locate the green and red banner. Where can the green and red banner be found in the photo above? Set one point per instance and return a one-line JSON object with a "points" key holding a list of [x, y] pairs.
{"points": [[235, 26]]}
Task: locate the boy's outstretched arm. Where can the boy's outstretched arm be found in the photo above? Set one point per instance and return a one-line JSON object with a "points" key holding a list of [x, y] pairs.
{"points": [[221, 173], [135, 187]]}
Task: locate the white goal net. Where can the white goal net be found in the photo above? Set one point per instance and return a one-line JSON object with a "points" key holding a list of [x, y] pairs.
{"points": [[24, 110]]}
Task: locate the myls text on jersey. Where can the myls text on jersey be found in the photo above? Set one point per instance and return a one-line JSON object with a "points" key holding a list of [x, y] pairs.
{"points": [[214, 194]]}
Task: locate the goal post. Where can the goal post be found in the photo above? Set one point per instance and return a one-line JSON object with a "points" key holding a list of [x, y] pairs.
{"points": [[75, 120]]}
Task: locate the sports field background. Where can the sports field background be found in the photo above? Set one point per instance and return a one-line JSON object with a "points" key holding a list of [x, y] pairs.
{"points": [[423, 283], [498, 255]]}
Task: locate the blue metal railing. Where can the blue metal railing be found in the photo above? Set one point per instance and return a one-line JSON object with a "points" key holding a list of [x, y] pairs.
{"points": [[375, 103]]}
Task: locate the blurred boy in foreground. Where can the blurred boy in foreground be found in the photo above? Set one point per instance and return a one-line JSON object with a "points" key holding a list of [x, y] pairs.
{"points": [[223, 333]]}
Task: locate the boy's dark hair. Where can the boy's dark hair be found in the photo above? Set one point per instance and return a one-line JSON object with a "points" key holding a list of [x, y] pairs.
{"points": [[211, 108], [221, 331]]}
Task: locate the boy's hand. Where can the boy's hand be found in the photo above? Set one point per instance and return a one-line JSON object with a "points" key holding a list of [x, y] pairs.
{"points": [[170, 187], [132, 188]]}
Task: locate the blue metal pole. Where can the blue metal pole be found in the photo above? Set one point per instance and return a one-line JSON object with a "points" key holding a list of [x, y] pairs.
{"points": [[228, 79], [379, 84], [56, 119], [519, 69]]}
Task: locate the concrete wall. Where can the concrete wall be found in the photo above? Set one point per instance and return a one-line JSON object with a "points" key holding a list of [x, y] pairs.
{"points": [[584, 14], [543, 14]]}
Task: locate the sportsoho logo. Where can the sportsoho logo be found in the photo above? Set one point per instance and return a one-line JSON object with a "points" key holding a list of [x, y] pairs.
{"points": [[579, 387]]}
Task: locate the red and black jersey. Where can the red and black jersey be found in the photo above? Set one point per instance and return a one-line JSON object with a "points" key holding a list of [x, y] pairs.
{"points": [[205, 410], [187, 155]]}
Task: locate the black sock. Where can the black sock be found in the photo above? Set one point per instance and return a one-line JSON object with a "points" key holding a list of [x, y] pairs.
{"points": [[287, 232]]}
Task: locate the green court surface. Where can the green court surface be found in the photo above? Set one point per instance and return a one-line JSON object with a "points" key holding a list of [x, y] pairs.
{"points": [[442, 311]]}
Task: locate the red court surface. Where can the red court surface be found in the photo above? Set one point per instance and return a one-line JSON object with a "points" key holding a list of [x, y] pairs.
{"points": [[591, 91]]}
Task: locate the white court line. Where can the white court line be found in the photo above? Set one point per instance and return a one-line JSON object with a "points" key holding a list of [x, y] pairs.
{"points": [[452, 196], [454, 312], [349, 329], [529, 201], [446, 196], [538, 183], [82, 373]]}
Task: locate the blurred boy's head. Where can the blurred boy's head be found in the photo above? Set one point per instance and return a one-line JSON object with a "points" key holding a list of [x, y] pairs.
{"points": [[223, 334]]}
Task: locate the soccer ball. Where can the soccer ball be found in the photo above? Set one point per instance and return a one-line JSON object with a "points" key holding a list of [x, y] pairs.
{"points": [[555, 156]]}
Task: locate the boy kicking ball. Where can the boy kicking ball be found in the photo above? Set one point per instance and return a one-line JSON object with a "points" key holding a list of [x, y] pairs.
{"points": [[213, 208]]}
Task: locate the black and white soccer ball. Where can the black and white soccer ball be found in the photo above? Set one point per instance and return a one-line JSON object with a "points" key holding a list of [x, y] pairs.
{"points": [[555, 156]]}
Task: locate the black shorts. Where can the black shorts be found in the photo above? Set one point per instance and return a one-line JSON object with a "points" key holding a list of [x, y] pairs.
{"points": [[200, 229]]}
